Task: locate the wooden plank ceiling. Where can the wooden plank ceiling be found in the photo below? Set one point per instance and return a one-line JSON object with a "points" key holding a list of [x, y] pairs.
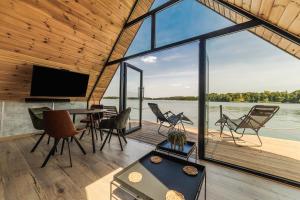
{"points": [[283, 13], [77, 35]]}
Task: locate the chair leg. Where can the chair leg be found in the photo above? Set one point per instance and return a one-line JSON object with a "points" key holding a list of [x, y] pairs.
{"points": [[258, 138], [62, 146], [108, 134], [96, 134], [233, 138], [123, 135], [109, 138], [50, 153], [158, 131], [68, 142], [48, 139], [81, 136], [79, 145], [120, 141], [38, 142], [101, 135]]}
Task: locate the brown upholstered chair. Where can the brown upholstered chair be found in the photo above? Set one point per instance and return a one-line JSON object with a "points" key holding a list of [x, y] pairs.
{"points": [[59, 125], [118, 123]]}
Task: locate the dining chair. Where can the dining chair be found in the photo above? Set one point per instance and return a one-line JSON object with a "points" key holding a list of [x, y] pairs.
{"points": [[96, 118], [36, 116], [58, 124], [118, 123]]}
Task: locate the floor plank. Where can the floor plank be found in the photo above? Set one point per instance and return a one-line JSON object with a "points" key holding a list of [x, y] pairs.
{"points": [[89, 178]]}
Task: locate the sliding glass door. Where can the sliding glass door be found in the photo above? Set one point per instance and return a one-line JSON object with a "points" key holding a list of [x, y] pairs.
{"points": [[132, 95]]}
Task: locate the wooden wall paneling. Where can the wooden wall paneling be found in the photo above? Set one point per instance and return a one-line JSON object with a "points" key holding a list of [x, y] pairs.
{"points": [[73, 35]]}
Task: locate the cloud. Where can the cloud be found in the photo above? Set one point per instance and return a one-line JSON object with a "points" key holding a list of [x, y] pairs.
{"points": [[149, 59], [175, 84], [173, 57]]}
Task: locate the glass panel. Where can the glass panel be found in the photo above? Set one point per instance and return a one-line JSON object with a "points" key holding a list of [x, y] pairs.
{"points": [[111, 96], [133, 97], [186, 19], [141, 8], [142, 39], [245, 71], [158, 3], [170, 81]]}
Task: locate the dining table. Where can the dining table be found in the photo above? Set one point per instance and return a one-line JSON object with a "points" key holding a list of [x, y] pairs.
{"points": [[90, 114]]}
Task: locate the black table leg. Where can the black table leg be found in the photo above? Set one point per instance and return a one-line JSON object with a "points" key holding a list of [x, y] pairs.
{"points": [[205, 183], [92, 130]]}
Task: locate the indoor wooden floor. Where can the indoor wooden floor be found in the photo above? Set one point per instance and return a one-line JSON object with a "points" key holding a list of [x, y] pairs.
{"points": [[276, 156], [89, 178]]}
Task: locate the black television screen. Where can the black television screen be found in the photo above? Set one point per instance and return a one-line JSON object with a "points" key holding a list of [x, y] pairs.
{"points": [[52, 82]]}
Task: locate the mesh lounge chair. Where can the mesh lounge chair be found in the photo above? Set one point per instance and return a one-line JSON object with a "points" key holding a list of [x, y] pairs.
{"points": [[257, 117], [170, 119]]}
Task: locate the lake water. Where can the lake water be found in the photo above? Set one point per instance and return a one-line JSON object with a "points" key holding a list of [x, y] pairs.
{"points": [[285, 124]]}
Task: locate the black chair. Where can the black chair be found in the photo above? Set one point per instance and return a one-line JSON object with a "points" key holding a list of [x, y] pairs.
{"points": [[169, 119], [256, 119], [118, 123], [110, 111], [36, 116], [96, 117]]}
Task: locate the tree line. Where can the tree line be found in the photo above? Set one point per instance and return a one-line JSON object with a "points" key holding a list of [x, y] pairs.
{"points": [[254, 97]]}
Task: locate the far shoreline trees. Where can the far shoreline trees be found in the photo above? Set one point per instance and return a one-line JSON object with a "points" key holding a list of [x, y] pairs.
{"points": [[251, 97]]}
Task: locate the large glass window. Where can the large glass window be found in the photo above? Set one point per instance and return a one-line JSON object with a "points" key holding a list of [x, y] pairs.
{"points": [[142, 39], [111, 96], [178, 22], [247, 76], [171, 82]]}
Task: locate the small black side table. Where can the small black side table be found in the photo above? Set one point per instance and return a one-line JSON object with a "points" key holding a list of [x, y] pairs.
{"points": [[185, 152]]}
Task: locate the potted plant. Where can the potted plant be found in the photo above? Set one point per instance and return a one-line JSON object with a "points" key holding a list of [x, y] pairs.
{"points": [[177, 138]]}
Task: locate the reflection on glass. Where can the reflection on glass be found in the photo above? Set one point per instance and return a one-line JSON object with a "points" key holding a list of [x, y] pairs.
{"points": [[133, 94], [135, 177], [111, 96], [246, 71], [178, 22], [142, 39], [158, 3]]}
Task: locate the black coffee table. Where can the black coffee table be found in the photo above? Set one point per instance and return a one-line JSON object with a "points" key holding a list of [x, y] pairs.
{"points": [[158, 179], [186, 152]]}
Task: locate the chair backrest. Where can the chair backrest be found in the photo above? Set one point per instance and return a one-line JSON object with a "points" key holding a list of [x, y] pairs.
{"points": [[36, 116], [97, 116], [157, 112], [122, 118], [111, 111], [58, 124], [258, 116]]}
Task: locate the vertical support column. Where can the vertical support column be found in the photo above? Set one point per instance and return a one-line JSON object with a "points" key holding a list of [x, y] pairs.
{"points": [[153, 31], [123, 80], [202, 98]]}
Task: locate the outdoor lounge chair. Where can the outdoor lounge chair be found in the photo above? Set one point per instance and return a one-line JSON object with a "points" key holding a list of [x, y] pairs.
{"points": [[257, 117], [170, 119]]}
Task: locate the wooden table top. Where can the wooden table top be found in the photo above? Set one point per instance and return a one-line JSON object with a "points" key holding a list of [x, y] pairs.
{"points": [[85, 111]]}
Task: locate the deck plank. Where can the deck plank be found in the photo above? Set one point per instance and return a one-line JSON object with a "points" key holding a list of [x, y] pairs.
{"points": [[276, 156], [22, 178]]}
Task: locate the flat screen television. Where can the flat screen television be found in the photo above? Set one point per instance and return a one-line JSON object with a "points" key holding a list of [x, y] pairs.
{"points": [[52, 82]]}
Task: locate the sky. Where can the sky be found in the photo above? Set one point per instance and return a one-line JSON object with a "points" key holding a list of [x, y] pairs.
{"points": [[240, 62]]}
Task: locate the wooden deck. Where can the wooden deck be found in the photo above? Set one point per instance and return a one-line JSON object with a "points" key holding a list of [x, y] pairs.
{"points": [[276, 156], [21, 177]]}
